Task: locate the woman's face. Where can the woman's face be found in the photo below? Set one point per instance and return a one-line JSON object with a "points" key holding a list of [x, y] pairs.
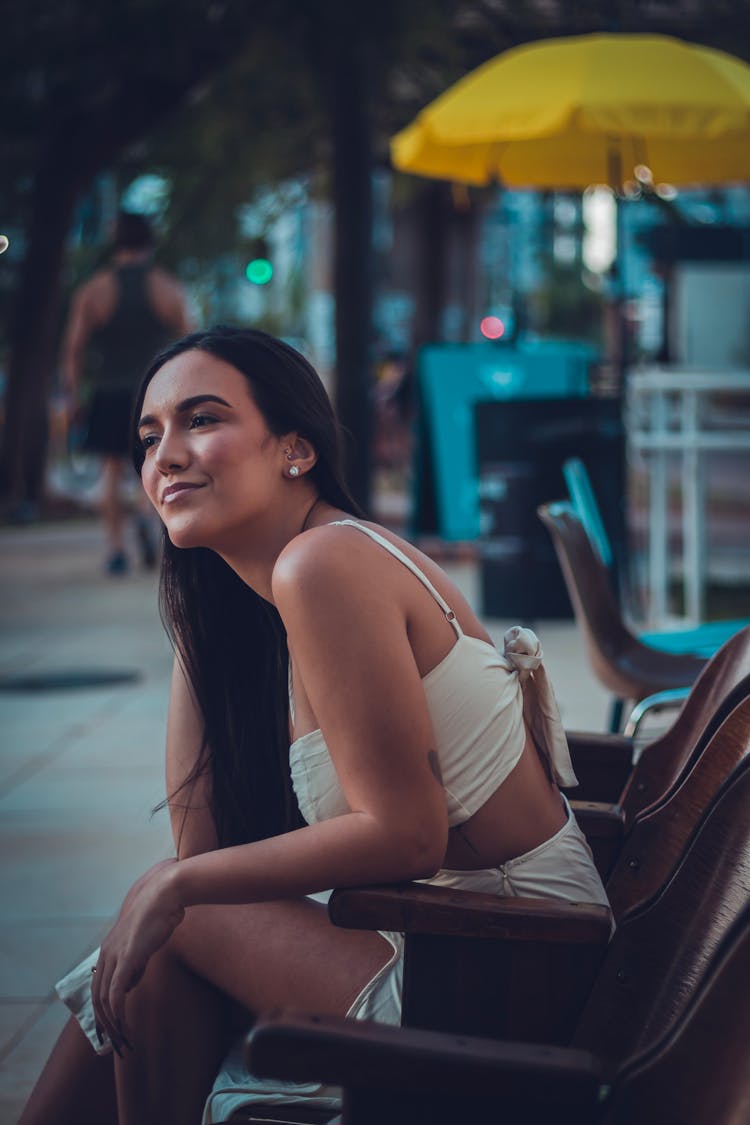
{"points": [[211, 465]]}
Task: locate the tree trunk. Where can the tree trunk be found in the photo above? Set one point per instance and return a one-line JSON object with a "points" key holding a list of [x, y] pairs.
{"points": [[34, 335], [348, 88]]}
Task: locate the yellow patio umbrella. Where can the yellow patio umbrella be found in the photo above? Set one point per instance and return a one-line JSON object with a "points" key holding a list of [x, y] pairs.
{"points": [[566, 113]]}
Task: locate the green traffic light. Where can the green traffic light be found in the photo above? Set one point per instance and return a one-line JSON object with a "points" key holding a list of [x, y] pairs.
{"points": [[259, 271]]}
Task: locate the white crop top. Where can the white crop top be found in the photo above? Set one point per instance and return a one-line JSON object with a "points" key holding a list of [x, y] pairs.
{"points": [[477, 699]]}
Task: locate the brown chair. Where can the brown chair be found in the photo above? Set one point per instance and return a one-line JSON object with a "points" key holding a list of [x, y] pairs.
{"points": [[643, 992], [695, 1073], [472, 961], [520, 968], [626, 666]]}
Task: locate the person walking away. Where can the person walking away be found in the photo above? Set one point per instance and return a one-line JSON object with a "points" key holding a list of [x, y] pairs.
{"points": [[119, 318]]}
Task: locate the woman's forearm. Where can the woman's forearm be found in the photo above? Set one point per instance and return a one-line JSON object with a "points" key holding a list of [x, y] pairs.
{"points": [[343, 851]]}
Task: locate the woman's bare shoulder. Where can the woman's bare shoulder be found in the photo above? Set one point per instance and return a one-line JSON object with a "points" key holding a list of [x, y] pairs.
{"points": [[328, 557]]}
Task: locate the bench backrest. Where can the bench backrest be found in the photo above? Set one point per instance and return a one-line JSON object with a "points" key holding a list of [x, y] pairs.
{"points": [[659, 953], [722, 683], [700, 1071], [657, 841]]}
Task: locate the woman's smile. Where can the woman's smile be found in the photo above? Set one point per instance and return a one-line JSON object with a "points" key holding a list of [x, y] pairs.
{"points": [[174, 492]]}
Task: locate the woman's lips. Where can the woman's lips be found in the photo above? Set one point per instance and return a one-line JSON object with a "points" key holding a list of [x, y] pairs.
{"points": [[177, 491]]}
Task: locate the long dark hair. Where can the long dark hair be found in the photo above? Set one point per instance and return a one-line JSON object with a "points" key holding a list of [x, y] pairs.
{"points": [[230, 641]]}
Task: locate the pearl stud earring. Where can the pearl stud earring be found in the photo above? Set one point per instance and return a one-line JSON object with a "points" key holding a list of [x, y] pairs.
{"points": [[294, 471]]}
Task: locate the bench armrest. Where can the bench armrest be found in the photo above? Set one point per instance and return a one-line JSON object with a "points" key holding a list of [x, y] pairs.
{"points": [[372, 1060], [419, 908]]}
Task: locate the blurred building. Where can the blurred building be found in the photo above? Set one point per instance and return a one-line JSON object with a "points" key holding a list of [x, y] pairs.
{"points": [[447, 257]]}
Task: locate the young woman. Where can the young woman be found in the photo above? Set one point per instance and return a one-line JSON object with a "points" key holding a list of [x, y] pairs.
{"points": [[338, 715]]}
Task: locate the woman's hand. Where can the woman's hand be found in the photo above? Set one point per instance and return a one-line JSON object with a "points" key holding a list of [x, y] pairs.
{"points": [[149, 915]]}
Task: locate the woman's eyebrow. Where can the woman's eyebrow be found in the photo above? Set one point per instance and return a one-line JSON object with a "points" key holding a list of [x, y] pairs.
{"points": [[185, 405]]}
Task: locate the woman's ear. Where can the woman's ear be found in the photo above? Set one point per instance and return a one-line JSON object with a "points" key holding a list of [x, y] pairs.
{"points": [[299, 455]]}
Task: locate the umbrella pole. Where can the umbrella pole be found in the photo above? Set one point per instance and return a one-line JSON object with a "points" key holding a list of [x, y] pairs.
{"points": [[619, 339]]}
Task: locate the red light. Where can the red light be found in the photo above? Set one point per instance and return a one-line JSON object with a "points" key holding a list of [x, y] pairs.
{"points": [[492, 327]]}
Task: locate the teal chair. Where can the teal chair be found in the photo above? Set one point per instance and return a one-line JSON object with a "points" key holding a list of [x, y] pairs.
{"points": [[702, 640]]}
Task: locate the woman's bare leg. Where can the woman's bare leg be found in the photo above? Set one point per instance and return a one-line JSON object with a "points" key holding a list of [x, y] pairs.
{"points": [[181, 1015], [262, 956], [181, 1028], [76, 1085]]}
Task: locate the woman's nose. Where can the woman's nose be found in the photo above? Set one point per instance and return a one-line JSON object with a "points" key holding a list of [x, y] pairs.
{"points": [[172, 451]]}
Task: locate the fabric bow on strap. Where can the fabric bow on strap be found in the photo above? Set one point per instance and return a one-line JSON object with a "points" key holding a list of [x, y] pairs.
{"points": [[523, 651]]}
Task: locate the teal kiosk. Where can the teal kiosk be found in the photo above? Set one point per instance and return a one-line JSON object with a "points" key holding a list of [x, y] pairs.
{"points": [[452, 379], [496, 424]]}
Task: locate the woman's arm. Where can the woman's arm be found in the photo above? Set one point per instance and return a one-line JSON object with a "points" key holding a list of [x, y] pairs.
{"points": [[351, 650]]}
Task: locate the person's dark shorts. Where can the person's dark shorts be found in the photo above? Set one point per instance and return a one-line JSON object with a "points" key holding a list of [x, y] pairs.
{"points": [[108, 430]]}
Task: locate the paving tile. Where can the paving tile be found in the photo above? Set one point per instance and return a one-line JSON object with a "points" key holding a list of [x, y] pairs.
{"points": [[33, 955], [108, 788], [71, 865]]}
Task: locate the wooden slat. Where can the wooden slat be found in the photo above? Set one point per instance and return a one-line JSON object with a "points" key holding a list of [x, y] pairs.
{"points": [[659, 839]]}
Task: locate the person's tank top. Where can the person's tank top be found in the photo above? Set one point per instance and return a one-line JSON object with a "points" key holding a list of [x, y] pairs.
{"points": [[121, 349]]}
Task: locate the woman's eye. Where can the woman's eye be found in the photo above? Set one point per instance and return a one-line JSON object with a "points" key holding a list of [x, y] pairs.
{"points": [[198, 420], [148, 441]]}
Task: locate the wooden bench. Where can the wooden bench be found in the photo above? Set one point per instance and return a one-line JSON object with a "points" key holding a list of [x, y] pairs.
{"points": [[696, 1074], [644, 989], [515, 968], [537, 971]]}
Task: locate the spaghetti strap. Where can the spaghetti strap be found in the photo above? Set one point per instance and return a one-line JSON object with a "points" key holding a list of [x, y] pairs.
{"points": [[398, 554]]}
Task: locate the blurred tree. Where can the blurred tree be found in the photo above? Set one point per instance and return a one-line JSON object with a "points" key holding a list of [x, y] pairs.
{"points": [[79, 83], [265, 91]]}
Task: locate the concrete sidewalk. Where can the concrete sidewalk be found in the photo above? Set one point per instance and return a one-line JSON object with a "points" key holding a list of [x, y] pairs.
{"points": [[82, 767]]}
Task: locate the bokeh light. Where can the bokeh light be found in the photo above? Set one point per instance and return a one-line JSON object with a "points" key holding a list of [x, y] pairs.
{"points": [[600, 229], [492, 327], [4, 243], [259, 271]]}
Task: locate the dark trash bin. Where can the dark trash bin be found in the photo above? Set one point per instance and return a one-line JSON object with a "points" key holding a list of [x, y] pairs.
{"points": [[521, 446]]}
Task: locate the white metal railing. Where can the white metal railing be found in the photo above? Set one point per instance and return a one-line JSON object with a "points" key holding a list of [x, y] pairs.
{"points": [[668, 414]]}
